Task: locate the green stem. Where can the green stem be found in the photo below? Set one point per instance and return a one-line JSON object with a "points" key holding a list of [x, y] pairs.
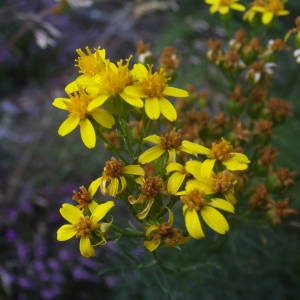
{"points": [[106, 141], [161, 264], [126, 136], [126, 232]]}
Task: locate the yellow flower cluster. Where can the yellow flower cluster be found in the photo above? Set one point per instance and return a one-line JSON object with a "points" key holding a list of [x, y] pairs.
{"points": [[203, 186], [104, 86], [173, 171], [268, 9]]}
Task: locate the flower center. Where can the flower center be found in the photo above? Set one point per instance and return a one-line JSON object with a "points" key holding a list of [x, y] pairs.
{"points": [[82, 197], [221, 150], [194, 199], [171, 140], [78, 104], [155, 83], [225, 2], [85, 226], [258, 66], [90, 63], [152, 186], [113, 168], [274, 6], [223, 181], [114, 80]]}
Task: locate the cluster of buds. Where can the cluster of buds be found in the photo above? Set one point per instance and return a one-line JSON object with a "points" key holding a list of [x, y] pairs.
{"points": [[252, 116], [247, 57]]}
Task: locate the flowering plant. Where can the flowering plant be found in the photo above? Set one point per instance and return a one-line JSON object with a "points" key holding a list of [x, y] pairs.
{"points": [[190, 178]]}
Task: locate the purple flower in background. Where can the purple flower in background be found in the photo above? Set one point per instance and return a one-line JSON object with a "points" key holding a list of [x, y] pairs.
{"points": [[11, 235]]}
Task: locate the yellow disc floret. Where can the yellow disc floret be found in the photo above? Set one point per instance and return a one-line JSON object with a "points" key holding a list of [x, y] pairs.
{"points": [[90, 63], [155, 83]]}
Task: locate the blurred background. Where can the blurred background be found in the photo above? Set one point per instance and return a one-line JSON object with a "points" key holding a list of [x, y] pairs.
{"points": [[39, 170]]}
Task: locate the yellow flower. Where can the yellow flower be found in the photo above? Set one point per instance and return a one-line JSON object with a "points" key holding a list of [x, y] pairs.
{"points": [[170, 143], [84, 198], [224, 6], [153, 87], [252, 11], [110, 82], [180, 173], [150, 187], [113, 181], [221, 151], [84, 227], [91, 63], [270, 9], [212, 183], [164, 233], [196, 204], [76, 105]]}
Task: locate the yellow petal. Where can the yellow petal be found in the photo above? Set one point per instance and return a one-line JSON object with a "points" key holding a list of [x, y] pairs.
{"points": [[170, 216], [205, 186], [222, 204], [167, 109], [174, 182], [68, 125], [155, 139], [71, 88], [174, 166], [267, 17], [133, 200], [65, 232], [237, 162], [101, 210], [123, 184], [213, 9], [61, 103], [139, 71], [103, 117], [172, 155], [175, 92], [151, 154], [71, 213], [92, 205], [134, 170], [113, 187], [230, 196], [224, 10], [193, 148], [282, 13], [87, 133], [143, 214], [137, 102], [135, 91], [214, 219], [258, 8], [237, 6], [152, 245], [97, 102], [94, 186], [85, 247], [150, 229], [194, 167], [192, 223], [152, 108], [207, 167]]}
